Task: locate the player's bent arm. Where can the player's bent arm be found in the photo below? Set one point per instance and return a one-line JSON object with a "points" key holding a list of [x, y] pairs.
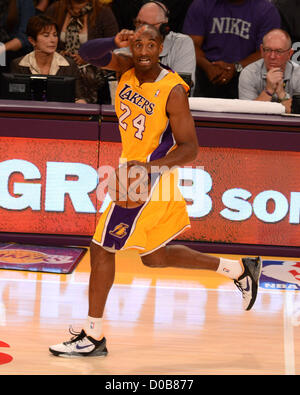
{"points": [[182, 125], [183, 128]]}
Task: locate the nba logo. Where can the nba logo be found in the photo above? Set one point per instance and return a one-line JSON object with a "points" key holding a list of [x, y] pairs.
{"points": [[280, 275], [2, 54]]}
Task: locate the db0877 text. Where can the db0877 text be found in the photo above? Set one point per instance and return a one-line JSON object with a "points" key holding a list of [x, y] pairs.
{"points": [[168, 384]]}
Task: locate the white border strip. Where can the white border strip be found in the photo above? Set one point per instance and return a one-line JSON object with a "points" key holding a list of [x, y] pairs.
{"points": [[201, 287], [288, 333]]}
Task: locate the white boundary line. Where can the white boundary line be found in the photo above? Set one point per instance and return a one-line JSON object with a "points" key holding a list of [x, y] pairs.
{"points": [[201, 287], [288, 333]]}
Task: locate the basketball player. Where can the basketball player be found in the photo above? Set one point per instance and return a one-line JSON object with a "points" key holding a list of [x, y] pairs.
{"points": [[157, 129]]}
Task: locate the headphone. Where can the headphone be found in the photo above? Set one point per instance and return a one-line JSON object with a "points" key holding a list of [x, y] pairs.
{"points": [[164, 28]]}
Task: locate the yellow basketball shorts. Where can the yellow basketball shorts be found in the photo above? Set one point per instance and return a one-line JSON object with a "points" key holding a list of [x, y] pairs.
{"points": [[149, 226]]}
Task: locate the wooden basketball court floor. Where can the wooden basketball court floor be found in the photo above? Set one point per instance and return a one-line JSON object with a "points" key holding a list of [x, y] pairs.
{"points": [[157, 322]]}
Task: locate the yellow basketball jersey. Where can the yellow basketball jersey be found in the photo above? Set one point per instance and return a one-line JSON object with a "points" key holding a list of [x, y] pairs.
{"points": [[146, 135], [144, 126]]}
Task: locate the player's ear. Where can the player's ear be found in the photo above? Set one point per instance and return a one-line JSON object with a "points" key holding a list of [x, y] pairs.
{"points": [[161, 47]]}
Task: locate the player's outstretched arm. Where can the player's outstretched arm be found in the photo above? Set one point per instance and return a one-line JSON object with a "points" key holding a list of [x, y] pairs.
{"points": [[99, 52]]}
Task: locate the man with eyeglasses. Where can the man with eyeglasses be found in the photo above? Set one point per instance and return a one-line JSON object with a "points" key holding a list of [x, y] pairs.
{"points": [[274, 77], [178, 49]]}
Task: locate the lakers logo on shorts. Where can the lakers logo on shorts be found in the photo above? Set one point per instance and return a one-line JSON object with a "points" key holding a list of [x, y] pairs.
{"points": [[119, 231]]}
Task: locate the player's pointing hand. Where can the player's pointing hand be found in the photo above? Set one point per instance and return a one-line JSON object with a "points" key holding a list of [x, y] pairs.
{"points": [[123, 38]]}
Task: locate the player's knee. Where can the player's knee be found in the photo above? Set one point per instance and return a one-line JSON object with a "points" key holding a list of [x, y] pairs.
{"points": [[98, 255], [154, 261]]}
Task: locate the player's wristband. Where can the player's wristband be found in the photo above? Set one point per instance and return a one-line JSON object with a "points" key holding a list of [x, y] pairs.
{"points": [[98, 51]]}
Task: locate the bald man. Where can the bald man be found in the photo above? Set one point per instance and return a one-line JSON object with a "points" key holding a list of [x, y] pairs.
{"points": [[274, 77], [178, 49]]}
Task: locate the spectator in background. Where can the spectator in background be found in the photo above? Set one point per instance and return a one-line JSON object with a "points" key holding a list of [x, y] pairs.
{"points": [[227, 35], [79, 21], [42, 33], [289, 11], [14, 15], [127, 10], [274, 77], [178, 49]]}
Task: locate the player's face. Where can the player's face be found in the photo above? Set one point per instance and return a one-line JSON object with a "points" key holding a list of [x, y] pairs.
{"points": [[145, 49]]}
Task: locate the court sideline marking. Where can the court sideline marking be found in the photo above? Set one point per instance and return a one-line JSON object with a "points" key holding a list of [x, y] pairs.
{"points": [[288, 329], [142, 285]]}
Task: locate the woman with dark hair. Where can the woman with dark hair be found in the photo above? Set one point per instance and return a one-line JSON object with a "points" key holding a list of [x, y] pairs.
{"points": [[79, 21], [14, 15], [42, 32]]}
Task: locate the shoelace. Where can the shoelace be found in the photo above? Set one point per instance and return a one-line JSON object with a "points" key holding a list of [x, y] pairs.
{"points": [[75, 336], [72, 332], [237, 283]]}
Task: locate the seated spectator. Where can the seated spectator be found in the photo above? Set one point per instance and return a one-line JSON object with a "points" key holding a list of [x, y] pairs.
{"points": [[42, 34], [127, 10], [79, 21], [227, 35], [274, 77], [289, 11], [178, 50], [14, 15]]}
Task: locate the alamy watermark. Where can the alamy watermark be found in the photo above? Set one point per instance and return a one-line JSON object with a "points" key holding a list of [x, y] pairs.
{"points": [[137, 183], [296, 55]]}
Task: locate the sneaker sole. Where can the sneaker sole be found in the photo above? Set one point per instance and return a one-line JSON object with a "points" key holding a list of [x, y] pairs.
{"points": [[256, 275], [96, 353]]}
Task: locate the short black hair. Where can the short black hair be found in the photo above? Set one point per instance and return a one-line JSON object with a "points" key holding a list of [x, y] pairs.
{"points": [[153, 29], [37, 23]]}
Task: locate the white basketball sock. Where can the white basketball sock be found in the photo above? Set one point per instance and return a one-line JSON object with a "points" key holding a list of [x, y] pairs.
{"points": [[93, 327], [230, 268]]}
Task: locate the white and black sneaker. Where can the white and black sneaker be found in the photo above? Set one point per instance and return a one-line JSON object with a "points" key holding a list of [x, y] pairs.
{"points": [[247, 283], [80, 345]]}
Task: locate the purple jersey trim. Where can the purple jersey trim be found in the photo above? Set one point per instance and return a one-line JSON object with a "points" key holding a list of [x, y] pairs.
{"points": [[119, 226], [166, 143]]}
